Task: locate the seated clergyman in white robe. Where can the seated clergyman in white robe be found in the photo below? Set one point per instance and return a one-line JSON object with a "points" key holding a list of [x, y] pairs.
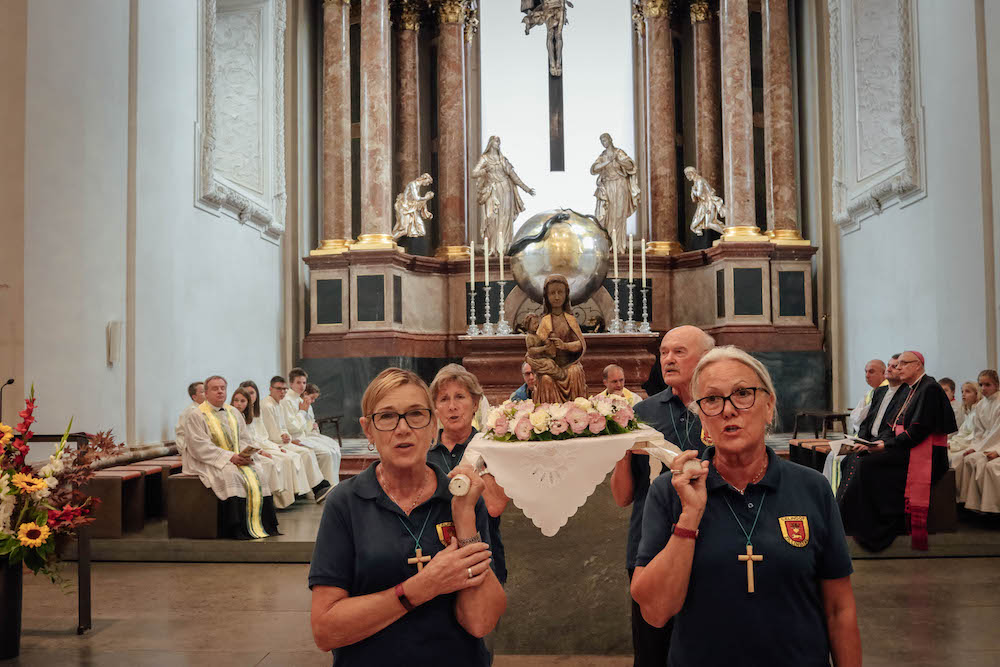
{"points": [[297, 424], [212, 436], [319, 461], [983, 428]]}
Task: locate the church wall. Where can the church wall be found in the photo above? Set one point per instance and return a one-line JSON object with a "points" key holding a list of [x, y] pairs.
{"points": [[912, 277], [208, 289], [76, 139], [991, 31]]}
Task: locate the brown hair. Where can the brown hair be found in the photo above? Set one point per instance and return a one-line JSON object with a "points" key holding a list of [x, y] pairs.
{"points": [[193, 388], [991, 374], [947, 382], [458, 373], [248, 410], [297, 373], [386, 381], [256, 392], [555, 278], [311, 389], [214, 377]]}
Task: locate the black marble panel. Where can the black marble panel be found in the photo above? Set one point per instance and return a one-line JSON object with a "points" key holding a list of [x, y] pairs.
{"points": [[720, 293], [508, 287], [748, 291], [397, 299], [801, 380], [371, 298], [330, 301], [609, 284], [792, 293], [342, 383]]}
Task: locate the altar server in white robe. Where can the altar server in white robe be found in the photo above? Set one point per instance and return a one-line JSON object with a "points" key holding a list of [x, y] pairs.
{"points": [[984, 438], [296, 421], [277, 431], [961, 441], [875, 377], [196, 390], [279, 467], [214, 437]]}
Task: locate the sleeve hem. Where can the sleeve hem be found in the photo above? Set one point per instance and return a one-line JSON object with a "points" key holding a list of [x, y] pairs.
{"points": [[329, 581]]}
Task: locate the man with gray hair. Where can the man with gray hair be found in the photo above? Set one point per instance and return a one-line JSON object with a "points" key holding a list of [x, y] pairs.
{"points": [[614, 384], [680, 351], [875, 377]]}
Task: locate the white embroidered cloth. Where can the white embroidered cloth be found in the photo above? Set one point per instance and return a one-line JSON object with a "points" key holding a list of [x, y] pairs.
{"points": [[549, 481]]}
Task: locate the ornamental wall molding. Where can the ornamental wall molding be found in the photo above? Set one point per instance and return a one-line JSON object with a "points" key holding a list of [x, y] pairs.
{"points": [[240, 129], [878, 144]]}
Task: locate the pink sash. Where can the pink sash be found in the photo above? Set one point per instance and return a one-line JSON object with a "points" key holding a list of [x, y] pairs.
{"points": [[918, 486]]}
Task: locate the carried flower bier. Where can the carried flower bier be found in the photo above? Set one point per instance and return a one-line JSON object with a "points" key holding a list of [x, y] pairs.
{"points": [[522, 421]]}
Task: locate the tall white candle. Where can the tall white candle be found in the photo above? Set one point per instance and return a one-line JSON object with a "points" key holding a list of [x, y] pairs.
{"points": [[500, 255], [486, 261], [614, 258], [630, 258], [643, 264], [472, 264]]}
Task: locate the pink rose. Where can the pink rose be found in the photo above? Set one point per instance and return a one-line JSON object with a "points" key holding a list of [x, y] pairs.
{"points": [[628, 411], [522, 431], [577, 419], [501, 426], [621, 418], [597, 421], [557, 426]]}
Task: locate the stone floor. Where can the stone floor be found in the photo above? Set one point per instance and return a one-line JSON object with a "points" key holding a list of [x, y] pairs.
{"points": [[915, 612]]}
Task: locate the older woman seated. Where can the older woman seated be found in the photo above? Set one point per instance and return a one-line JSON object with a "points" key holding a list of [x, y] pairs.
{"points": [[744, 542], [401, 570]]}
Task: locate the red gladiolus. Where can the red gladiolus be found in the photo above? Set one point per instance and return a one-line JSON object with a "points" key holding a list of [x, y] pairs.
{"points": [[67, 514]]}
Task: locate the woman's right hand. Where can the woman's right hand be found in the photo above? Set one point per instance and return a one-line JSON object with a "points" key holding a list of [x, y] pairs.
{"points": [[690, 483], [449, 570]]}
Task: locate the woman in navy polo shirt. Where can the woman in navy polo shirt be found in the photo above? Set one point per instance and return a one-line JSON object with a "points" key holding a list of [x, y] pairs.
{"points": [[743, 541], [401, 570]]}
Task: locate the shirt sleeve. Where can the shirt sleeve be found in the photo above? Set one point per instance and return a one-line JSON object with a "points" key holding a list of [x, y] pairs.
{"points": [[198, 443], [333, 556], [834, 560], [658, 518]]}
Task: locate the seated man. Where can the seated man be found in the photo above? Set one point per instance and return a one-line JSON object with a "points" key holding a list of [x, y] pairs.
{"points": [[526, 390], [614, 384], [196, 391], [298, 428], [981, 446], [274, 423], [888, 491], [214, 436], [875, 377]]}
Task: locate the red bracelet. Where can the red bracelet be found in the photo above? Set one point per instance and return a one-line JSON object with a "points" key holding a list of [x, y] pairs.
{"points": [[405, 601], [684, 532]]}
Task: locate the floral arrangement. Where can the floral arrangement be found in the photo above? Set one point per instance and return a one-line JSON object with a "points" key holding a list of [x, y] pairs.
{"points": [[37, 506], [524, 420]]}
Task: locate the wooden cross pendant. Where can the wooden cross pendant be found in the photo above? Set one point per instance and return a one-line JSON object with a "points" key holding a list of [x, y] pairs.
{"points": [[419, 559], [750, 558]]}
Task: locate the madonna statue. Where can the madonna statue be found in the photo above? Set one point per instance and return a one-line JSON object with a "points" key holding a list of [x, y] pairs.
{"points": [[555, 349]]}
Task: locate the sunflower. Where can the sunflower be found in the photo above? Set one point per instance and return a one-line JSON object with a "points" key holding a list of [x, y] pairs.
{"points": [[6, 434], [32, 535], [27, 483]]}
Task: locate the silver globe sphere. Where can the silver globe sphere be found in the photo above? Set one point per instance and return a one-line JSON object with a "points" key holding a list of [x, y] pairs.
{"points": [[565, 242]]}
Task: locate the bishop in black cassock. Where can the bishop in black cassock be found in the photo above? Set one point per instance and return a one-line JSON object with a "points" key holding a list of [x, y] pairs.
{"points": [[889, 492]]}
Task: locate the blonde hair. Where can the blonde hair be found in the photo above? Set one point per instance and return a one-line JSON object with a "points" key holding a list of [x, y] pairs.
{"points": [[732, 353], [459, 373], [386, 381], [975, 388]]}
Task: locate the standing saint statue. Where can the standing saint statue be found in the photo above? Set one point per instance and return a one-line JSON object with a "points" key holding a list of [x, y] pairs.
{"points": [[496, 186], [411, 208], [617, 190], [553, 14], [710, 209], [556, 347]]}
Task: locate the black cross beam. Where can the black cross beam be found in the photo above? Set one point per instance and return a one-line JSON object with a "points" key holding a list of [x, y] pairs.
{"points": [[557, 143]]}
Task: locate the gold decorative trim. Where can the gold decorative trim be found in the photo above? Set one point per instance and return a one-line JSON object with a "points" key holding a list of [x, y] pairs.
{"points": [[658, 8], [699, 11], [409, 14], [451, 11], [743, 234], [332, 247], [663, 248], [452, 252], [788, 237], [639, 17], [471, 19], [374, 242]]}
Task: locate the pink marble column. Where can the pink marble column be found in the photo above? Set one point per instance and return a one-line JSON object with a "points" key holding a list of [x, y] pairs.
{"points": [[408, 94], [336, 127], [707, 100], [779, 128], [451, 129], [737, 123], [661, 129], [376, 128]]}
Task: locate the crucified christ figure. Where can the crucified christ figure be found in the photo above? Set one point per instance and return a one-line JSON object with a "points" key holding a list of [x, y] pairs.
{"points": [[553, 14]]}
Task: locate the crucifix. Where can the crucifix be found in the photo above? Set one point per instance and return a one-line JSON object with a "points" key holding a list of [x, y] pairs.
{"points": [[551, 13], [418, 559], [750, 558]]}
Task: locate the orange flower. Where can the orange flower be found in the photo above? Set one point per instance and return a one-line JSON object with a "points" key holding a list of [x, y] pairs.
{"points": [[27, 483], [6, 434], [32, 535]]}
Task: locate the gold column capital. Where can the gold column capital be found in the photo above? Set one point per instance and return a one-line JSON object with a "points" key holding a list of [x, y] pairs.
{"points": [[699, 11], [451, 11], [658, 8], [409, 14]]}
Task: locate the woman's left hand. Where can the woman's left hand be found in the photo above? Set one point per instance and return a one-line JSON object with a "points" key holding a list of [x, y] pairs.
{"points": [[476, 487]]}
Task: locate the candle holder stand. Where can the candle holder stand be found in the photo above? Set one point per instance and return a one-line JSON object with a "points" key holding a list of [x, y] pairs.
{"points": [[630, 323], [616, 323], [488, 328], [644, 327], [473, 330]]}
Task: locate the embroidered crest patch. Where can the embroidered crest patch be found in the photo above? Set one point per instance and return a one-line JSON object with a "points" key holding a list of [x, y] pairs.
{"points": [[795, 530], [446, 531]]}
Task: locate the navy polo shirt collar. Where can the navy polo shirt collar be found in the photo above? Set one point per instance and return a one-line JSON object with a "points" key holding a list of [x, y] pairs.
{"points": [[367, 486], [771, 478]]}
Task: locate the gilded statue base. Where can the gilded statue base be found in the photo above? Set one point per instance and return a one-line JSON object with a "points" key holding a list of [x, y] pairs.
{"points": [[742, 234], [663, 248], [375, 242], [452, 252], [332, 247], [787, 237]]}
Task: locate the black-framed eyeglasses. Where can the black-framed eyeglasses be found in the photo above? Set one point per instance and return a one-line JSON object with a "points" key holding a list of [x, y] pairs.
{"points": [[904, 362], [387, 421], [742, 399]]}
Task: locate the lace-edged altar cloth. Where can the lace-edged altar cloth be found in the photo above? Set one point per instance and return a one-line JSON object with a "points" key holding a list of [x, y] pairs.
{"points": [[550, 480]]}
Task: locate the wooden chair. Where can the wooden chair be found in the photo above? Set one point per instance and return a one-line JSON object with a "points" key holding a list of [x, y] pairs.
{"points": [[323, 421], [825, 417]]}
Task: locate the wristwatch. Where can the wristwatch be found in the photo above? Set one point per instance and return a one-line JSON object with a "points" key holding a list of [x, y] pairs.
{"points": [[405, 601], [685, 532]]}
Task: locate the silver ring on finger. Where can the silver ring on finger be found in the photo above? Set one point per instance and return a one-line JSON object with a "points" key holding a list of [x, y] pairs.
{"points": [[470, 573]]}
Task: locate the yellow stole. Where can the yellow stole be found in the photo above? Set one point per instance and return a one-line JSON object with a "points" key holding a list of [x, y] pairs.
{"points": [[231, 443]]}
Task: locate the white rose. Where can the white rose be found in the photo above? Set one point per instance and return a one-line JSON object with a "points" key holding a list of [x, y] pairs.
{"points": [[559, 410], [584, 404], [491, 418], [605, 408], [539, 421]]}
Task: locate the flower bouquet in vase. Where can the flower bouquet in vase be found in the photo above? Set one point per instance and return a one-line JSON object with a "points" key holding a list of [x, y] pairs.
{"points": [[521, 421]]}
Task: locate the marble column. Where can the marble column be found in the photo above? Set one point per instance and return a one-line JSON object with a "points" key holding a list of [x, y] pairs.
{"points": [[451, 129], [336, 128], [376, 129], [779, 127], [661, 129], [737, 124], [408, 94], [707, 100]]}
